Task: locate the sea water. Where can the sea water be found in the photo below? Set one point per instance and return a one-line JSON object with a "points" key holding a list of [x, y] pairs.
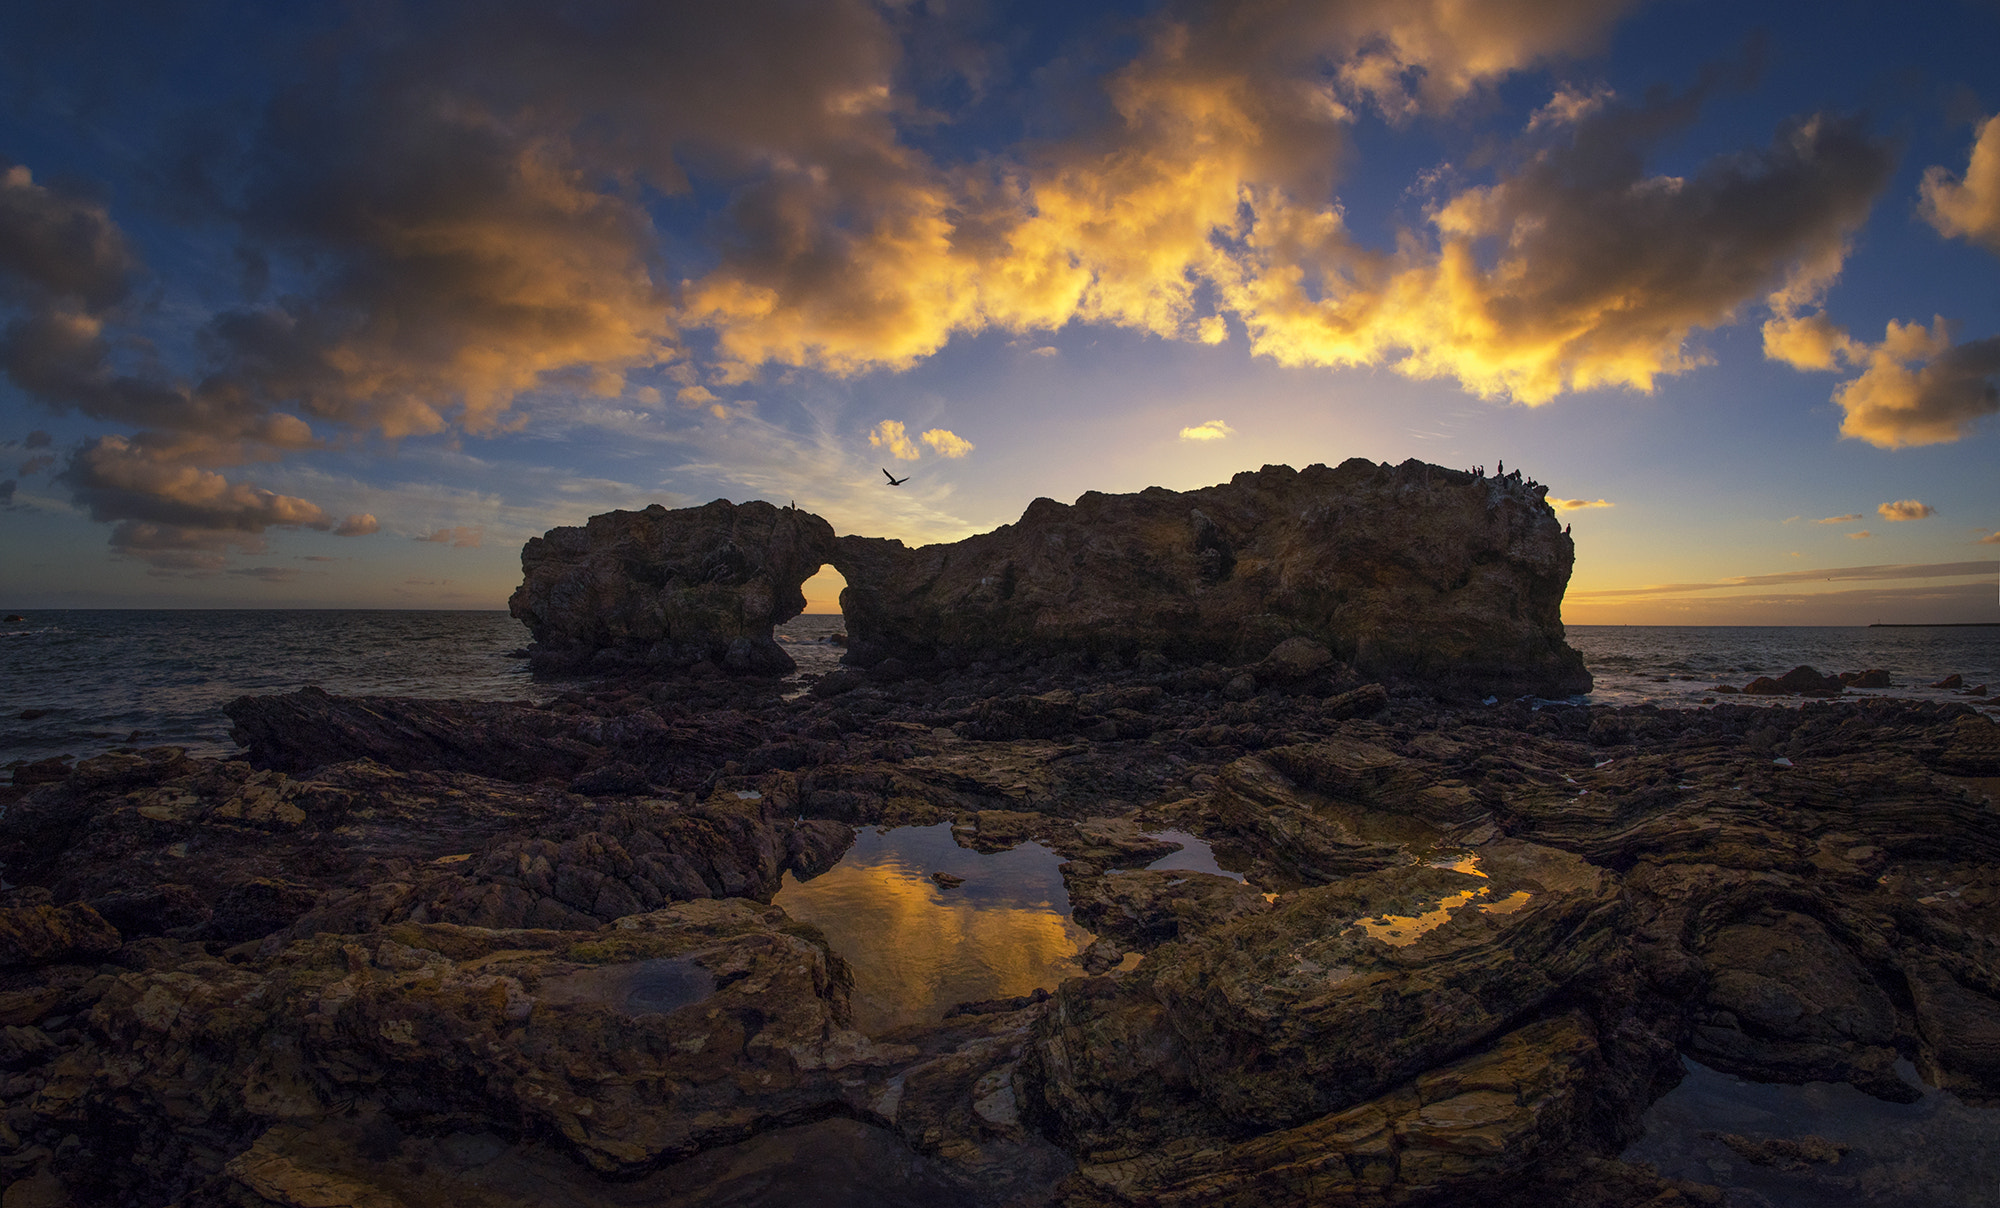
{"points": [[77, 682], [1676, 665]]}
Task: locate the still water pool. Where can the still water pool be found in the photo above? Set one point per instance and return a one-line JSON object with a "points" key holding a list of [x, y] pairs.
{"points": [[917, 947]]}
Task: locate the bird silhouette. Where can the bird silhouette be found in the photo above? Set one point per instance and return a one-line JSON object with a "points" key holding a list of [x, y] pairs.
{"points": [[895, 481]]}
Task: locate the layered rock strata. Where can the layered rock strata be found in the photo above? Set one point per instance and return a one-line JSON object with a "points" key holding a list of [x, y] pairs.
{"points": [[1474, 945]]}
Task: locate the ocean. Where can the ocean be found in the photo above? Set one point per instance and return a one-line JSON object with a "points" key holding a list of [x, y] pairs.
{"points": [[79, 682]]}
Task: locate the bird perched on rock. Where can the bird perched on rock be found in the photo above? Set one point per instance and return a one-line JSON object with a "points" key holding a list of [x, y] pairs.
{"points": [[895, 481]]}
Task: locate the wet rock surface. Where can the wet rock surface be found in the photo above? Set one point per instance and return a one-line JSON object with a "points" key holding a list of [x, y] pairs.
{"points": [[430, 952]]}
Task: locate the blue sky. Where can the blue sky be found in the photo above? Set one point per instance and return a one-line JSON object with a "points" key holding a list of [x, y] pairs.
{"points": [[336, 305]]}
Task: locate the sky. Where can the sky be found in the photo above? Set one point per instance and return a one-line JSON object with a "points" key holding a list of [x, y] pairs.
{"points": [[336, 305]]}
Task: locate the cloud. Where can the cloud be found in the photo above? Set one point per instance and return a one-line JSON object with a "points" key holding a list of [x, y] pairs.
{"points": [[7, 489], [38, 439], [317, 558], [269, 574], [1933, 570], [1990, 539], [360, 524], [1213, 429], [946, 443], [1811, 341], [1047, 350], [1918, 388], [1845, 518], [36, 464], [1863, 535], [1906, 509], [458, 537], [1571, 505], [1968, 208], [456, 216], [890, 435], [1569, 106], [168, 502], [1212, 179], [63, 249], [170, 549]]}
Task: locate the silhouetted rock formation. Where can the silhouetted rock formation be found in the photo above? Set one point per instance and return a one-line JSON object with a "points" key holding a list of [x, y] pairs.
{"points": [[1410, 571], [670, 589]]}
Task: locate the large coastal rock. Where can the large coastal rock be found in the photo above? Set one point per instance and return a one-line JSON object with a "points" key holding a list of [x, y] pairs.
{"points": [[662, 588], [1410, 571]]}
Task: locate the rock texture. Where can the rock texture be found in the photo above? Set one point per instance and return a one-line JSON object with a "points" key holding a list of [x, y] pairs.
{"points": [[1410, 571], [1473, 946], [670, 589]]}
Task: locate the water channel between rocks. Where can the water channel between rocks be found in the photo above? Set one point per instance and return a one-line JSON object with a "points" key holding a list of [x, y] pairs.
{"points": [[1822, 1145]]}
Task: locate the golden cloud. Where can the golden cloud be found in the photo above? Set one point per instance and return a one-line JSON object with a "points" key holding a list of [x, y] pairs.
{"points": [[1906, 509], [1848, 518], [1864, 533], [1571, 505], [946, 443], [1221, 129], [1968, 208], [1213, 429], [1990, 539], [1918, 388], [890, 435], [360, 524], [1810, 341]]}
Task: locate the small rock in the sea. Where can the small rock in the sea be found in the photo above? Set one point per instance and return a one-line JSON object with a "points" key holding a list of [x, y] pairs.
{"points": [[32, 714], [947, 881], [15, 618], [1954, 680]]}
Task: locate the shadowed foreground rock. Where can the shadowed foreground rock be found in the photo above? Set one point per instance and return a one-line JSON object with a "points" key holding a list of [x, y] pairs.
{"points": [[1413, 572]]}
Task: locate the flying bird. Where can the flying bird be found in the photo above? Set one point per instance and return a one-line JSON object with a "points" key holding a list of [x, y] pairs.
{"points": [[895, 481]]}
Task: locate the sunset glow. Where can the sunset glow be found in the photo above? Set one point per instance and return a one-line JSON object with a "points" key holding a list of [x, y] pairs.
{"points": [[338, 307]]}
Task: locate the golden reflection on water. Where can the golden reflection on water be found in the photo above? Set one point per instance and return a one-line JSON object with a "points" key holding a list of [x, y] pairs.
{"points": [[1402, 930], [917, 948]]}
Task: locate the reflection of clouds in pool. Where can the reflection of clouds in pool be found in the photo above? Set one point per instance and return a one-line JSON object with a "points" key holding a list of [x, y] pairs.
{"points": [[917, 948]]}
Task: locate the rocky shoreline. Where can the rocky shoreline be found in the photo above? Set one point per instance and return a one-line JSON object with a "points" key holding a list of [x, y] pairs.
{"points": [[413, 952], [315, 975]]}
